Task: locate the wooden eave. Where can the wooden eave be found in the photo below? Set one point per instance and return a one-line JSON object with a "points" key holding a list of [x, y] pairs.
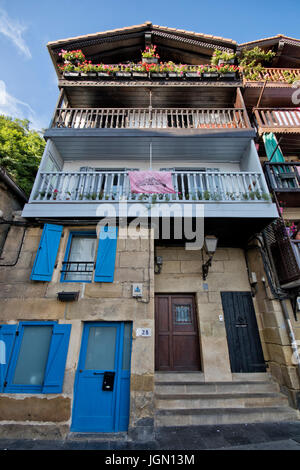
{"points": [[126, 44], [287, 50]]}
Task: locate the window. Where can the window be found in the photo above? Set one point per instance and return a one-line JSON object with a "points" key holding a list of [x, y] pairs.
{"points": [[80, 257], [25, 371], [88, 257]]}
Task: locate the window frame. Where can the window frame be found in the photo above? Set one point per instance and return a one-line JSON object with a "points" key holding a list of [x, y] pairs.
{"points": [[10, 387], [79, 233]]}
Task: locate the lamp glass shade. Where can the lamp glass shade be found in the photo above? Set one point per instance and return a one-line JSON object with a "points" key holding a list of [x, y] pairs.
{"points": [[210, 243]]}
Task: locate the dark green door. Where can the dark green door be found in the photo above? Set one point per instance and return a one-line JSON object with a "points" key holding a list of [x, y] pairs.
{"points": [[244, 344]]}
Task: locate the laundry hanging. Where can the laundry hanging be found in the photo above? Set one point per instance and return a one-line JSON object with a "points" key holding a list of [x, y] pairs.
{"points": [[151, 182], [274, 154]]}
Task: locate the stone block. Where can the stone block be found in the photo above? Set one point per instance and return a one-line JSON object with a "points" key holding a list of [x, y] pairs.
{"points": [[171, 267], [182, 283], [129, 275], [131, 260], [103, 290], [57, 409], [191, 267], [31, 309], [215, 357]]}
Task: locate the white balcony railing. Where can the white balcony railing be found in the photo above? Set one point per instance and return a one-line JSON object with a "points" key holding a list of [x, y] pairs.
{"points": [[205, 186]]}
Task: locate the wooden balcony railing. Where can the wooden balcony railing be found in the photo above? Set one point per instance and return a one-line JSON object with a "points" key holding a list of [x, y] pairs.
{"points": [[276, 75], [285, 253], [91, 186], [155, 118], [283, 177], [277, 119]]}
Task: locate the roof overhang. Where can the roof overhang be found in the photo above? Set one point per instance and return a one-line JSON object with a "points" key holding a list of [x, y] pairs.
{"points": [[125, 44]]}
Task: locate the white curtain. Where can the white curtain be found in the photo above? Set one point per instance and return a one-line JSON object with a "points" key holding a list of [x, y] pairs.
{"points": [[82, 251]]}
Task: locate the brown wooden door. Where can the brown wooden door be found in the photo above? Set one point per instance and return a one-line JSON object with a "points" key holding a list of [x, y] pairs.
{"points": [[177, 339]]}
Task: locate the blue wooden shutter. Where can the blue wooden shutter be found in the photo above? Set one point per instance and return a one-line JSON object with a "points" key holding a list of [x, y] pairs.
{"points": [[106, 256], [7, 338], [46, 255], [55, 369]]}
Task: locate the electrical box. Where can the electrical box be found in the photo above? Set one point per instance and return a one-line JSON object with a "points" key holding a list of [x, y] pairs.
{"points": [[137, 290]]}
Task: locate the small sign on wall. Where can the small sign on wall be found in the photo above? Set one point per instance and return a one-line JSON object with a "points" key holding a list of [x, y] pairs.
{"points": [[146, 332]]}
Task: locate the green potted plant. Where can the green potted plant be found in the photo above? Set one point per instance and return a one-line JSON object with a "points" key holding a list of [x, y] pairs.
{"points": [[104, 70], [124, 71], [220, 57], [139, 70], [149, 55], [157, 71], [193, 72], [228, 71], [252, 62], [209, 72]]}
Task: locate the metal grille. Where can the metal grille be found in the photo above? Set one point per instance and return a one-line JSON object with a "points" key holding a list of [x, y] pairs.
{"points": [[281, 249]]}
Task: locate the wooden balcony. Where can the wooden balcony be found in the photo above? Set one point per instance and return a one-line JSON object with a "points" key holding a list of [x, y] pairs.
{"points": [[277, 120], [151, 118], [284, 179], [284, 76], [285, 253], [97, 187]]}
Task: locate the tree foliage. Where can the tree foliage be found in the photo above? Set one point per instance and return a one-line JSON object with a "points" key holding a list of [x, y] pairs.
{"points": [[21, 150]]}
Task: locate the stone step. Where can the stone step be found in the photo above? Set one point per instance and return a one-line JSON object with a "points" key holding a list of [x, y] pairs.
{"points": [[195, 387], [179, 377], [217, 400], [217, 416]]}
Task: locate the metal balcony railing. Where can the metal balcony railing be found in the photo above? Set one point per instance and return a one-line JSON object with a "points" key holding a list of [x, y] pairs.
{"points": [[151, 118], [189, 186], [283, 177]]}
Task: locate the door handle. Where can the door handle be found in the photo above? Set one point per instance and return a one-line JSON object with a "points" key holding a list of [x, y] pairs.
{"points": [[97, 373]]}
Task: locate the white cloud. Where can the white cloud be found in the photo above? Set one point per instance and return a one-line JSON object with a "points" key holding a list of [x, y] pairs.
{"points": [[12, 106], [14, 30]]}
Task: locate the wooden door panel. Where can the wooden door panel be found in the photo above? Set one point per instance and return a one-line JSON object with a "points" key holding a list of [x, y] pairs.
{"points": [[245, 351], [177, 339]]}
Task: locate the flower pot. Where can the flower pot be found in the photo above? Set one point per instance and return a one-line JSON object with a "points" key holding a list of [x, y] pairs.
{"points": [[158, 74], [175, 75], [221, 61], [140, 74], [150, 60], [228, 76], [71, 74], [104, 74], [192, 75], [92, 74], [123, 74], [210, 75]]}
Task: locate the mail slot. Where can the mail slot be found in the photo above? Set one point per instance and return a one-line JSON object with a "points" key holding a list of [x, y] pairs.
{"points": [[108, 381]]}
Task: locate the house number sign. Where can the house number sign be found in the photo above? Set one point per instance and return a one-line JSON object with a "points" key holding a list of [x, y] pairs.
{"points": [[146, 332]]}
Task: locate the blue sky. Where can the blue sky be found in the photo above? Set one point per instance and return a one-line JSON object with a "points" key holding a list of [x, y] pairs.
{"points": [[28, 84]]}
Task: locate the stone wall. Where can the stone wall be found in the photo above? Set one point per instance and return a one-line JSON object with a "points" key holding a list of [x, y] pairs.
{"points": [[182, 273], [22, 299], [277, 343]]}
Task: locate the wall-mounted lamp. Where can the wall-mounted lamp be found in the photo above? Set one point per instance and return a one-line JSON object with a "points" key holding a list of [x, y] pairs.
{"points": [[210, 245], [158, 261]]}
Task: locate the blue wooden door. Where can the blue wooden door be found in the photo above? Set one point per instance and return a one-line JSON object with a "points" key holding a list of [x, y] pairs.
{"points": [[105, 353]]}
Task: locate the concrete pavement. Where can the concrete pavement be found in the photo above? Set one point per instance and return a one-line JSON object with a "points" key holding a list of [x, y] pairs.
{"points": [[254, 436]]}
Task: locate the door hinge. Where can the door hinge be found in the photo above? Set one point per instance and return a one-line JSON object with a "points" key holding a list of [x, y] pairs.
{"points": [[17, 333], [5, 383]]}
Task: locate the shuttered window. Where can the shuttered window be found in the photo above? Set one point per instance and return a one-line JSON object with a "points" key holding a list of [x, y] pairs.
{"points": [[22, 370]]}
